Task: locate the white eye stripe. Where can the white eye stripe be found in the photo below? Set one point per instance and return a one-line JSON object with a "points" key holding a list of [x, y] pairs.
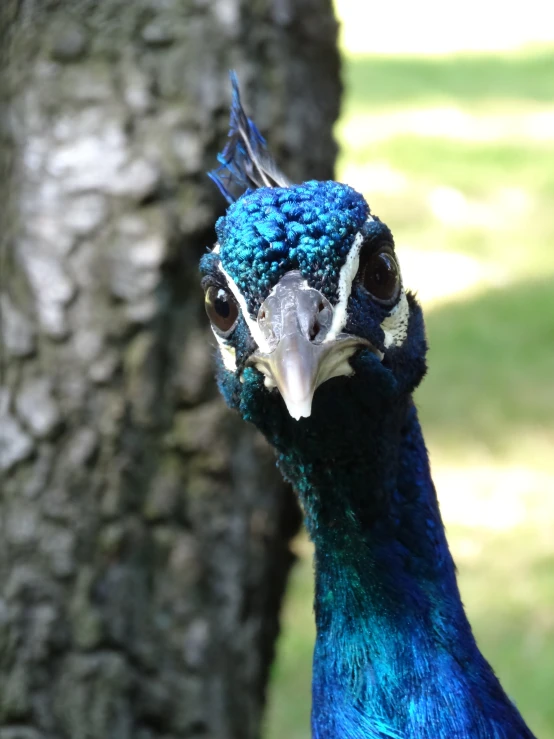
{"points": [[347, 274], [252, 324]]}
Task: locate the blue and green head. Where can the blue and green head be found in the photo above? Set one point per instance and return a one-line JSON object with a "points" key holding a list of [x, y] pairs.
{"points": [[303, 287]]}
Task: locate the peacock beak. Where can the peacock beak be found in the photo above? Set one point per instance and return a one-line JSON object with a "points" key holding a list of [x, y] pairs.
{"points": [[296, 322]]}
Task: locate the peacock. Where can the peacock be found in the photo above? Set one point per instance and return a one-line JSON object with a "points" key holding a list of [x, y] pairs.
{"points": [[321, 347]]}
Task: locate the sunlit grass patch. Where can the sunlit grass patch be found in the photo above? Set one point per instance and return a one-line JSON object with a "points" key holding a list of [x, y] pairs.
{"points": [[377, 82], [508, 591], [486, 191], [491, 202], [502, 125], [473, 167], [491, 376]]}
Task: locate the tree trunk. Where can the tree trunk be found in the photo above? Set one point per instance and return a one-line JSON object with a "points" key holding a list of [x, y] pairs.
{"points": [[144, 543]]}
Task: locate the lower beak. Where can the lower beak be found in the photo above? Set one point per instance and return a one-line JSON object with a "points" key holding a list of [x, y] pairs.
{"points": [[297, 367], [296, 321]]}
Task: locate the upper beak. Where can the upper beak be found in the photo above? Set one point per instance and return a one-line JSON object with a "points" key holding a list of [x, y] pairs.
{"points": [[296, 322]]}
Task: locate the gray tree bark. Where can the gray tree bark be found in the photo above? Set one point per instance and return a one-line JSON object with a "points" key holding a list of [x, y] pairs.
{"points": [[144, 529]]}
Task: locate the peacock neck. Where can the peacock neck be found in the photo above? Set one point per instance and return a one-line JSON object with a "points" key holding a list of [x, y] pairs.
{"points": [[372, 512], [387, 546], [393, 644]]}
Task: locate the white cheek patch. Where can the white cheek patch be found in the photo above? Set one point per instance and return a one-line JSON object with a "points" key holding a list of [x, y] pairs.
{"points": [[347, 274], [395, 326], [228, 353]]}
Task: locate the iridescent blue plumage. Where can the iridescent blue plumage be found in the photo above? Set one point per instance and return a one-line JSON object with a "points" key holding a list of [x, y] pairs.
{"points": [[394, 656]]}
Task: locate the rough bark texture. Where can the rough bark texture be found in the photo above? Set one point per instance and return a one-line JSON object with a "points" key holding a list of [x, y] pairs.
{"points": [[144, 542]]}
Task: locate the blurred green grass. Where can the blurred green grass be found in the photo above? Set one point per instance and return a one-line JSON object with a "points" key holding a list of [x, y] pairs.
{"points": [[400, 81], [491, 375], [488, 399]]}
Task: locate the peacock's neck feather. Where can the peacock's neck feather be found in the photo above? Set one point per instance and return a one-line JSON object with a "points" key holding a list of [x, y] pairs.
{"points": [[394, 655]]}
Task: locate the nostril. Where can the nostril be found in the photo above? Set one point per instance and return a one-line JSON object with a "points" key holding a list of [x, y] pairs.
{"points": [[320, 321], [318, 324], [315, 329]]}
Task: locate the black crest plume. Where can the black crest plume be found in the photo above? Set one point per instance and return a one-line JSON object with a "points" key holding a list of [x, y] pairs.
{"points": [[246, 163]]}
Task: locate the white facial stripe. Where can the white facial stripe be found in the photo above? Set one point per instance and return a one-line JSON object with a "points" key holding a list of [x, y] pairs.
{"points": [[216, 248], [227, 352], [347, 274], [395, 326], [252, 324]]}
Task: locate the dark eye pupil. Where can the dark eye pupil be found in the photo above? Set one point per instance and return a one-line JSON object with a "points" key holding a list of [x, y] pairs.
{"points": [[221, 308], [383, 270], [221, 305], [381, 277]]}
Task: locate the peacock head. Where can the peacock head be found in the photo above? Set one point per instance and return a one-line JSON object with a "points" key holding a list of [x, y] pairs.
{"points": [[303, 289]]}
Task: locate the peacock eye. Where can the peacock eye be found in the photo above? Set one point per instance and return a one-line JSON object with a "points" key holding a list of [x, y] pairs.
{"points": [[222, 309], [381, 277]]}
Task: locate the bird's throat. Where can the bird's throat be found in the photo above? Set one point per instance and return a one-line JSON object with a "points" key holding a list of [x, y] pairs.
{"points": [[372, 513]]}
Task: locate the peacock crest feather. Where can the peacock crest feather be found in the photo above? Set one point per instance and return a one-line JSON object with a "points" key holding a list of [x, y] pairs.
{"points": [[246, 163]]}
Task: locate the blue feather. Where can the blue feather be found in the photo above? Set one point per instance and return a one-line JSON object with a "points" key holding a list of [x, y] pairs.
{"points": [[246, 163]]}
